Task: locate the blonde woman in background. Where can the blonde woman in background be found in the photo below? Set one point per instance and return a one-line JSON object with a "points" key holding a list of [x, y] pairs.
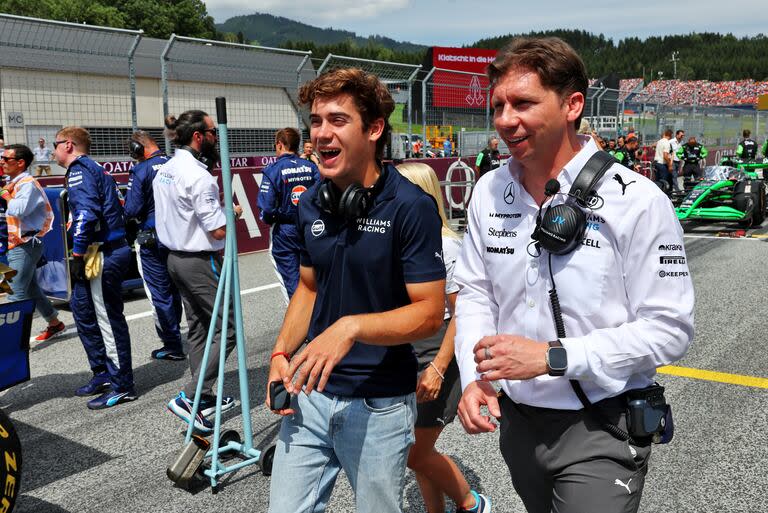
{"points": [[439, 389]]}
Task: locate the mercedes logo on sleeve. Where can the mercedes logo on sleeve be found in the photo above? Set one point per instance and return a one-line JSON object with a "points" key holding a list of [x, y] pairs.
{"points": [[509, 193]]}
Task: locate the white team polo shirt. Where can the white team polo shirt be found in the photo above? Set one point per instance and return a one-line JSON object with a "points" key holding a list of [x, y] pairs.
{"points": [[187, 205]]}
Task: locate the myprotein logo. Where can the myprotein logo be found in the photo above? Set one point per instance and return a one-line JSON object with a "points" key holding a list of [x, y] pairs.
{"points": [[10, 318], [505, 215], [509, 193], [318, 227], [670, 247], [672, 260], [296, 192]]}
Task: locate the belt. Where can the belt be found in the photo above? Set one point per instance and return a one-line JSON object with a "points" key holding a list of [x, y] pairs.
{"points": [[112, 245], [182, 253], [30, 233]]}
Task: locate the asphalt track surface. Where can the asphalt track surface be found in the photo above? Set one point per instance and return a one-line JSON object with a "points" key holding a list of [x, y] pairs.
{"points": [[77, 460]]}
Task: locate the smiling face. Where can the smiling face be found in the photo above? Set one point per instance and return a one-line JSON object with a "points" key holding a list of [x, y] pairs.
{"points": [[533, 120], [347, 149]]}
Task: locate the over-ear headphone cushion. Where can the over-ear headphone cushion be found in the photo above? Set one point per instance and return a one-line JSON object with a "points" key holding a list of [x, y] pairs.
{"points": [[328, 197], [136, 149], [562, 229], [353, 202]]}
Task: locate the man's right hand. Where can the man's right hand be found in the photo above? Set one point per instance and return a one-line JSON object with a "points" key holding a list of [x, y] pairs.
{"points": [[278, 369], [77, 268], [477, 394]]}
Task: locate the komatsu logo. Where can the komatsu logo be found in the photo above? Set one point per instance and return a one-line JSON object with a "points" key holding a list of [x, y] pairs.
{"points": [[10, 318]]}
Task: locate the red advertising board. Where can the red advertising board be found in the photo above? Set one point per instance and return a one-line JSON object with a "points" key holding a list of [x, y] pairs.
{"points": [[460, 90]]}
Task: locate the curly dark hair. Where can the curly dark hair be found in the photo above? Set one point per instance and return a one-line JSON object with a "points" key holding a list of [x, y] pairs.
{"points": [[180, 129], [370, 95]]}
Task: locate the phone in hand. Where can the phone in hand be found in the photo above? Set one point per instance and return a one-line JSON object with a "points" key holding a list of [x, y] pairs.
{"points": [[279, 398]]}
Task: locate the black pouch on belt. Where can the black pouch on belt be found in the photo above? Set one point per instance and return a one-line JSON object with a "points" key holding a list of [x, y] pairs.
{"points": [[649, 416], [146, 238]]}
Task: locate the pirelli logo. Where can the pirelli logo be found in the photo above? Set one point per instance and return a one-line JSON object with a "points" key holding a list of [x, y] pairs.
{"points": [[672, 260]]}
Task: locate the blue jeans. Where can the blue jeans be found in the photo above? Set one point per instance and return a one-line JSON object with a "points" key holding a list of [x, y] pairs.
{"points": [[368, 438], [23, 258]]}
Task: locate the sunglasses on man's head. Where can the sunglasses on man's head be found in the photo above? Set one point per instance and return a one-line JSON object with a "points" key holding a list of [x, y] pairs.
{"points": [[56, 143]]}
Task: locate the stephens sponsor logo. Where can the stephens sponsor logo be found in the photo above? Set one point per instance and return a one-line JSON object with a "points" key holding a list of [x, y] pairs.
{"points": [[296, 192], [318, 227], [672, 274], [493, 232], [500, 250], [670, 247], [672, 259], [505, 215]]}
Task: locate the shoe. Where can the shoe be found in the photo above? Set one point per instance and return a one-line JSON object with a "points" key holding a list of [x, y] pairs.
{"points": [[98, 384], [482, 504], [181, 406], [111, 398], [208, 404], [166, 354], [51, 331]]}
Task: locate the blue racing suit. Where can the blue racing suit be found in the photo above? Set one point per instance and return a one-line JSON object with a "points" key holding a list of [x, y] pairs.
{"points": [[153, 256], [3, 231], [97, 304], [283, 182]]}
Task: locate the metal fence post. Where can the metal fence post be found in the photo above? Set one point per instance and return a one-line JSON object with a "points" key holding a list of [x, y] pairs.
{"points": [[164, 86], [424, 107], [132, 79], [410, 106], [298, 107]]}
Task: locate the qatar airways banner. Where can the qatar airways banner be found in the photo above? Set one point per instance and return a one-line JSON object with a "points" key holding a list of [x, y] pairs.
{"points": [[465, 90]]}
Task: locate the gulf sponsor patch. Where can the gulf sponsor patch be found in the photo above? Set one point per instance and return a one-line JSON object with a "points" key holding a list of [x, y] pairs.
{"points": [[296, 192]]}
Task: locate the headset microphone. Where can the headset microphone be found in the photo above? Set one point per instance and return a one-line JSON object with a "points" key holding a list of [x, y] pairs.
{"points": [[551, 187]]}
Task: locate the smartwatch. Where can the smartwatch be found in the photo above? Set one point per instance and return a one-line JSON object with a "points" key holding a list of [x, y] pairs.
{"points": [[557, 359]]}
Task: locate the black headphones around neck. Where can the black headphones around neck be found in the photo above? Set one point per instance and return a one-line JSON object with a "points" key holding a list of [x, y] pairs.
{"points": [[200, 157], [351, 204], [562, 227]]}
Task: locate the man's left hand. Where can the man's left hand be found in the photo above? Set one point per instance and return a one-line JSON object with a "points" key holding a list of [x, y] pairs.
{"points": [[320, 357], [511, 357]]}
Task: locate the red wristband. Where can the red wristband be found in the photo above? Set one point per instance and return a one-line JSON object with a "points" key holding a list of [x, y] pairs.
{"points": [[280, 353]]}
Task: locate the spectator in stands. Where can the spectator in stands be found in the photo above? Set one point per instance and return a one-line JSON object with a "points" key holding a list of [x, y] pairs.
{"points": [[489, 158], [439, 388], [283, 183], [691, 154], [662, 161], [611, 149], [42, 158], [675, 144], [193, 228], [100, 259], [747, 149], [151, 254], [29, 217], [309, 154], [620, 141]]}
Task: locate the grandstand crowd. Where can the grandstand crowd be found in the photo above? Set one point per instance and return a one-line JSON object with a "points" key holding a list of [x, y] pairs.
{"points": [[692, 92]]}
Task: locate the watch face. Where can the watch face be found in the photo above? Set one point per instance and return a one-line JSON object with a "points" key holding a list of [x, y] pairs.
{"points": [[558, 358]]}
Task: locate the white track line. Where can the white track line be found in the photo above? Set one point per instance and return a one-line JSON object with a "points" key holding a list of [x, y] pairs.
{"points": [[141, 315], [687, 236]]}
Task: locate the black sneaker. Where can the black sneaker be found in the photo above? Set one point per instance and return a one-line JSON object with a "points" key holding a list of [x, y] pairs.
{"points": [[110, 399], [208, 404], [167, 354], [98, 384]]}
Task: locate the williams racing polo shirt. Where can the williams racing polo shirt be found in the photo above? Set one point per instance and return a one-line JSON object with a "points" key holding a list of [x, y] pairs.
{"points": [[362, 267]]}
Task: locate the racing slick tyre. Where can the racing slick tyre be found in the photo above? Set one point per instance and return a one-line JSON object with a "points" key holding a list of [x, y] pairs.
{"points": [[10, 470], [750, 195]]}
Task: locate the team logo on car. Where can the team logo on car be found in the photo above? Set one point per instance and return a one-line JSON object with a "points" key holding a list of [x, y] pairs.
{"points": [[296, 192], [318, 227], [509, 193]]}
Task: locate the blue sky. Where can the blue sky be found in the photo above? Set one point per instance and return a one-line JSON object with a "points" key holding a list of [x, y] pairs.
{"points": [[459, 22]]}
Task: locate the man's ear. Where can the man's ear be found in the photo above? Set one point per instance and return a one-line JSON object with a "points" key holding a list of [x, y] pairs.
{"points": [[376, 129], [574, 104]]}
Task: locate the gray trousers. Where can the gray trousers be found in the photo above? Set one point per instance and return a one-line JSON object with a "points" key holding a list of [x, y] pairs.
{"points": [[196, 275], [564, 462]]}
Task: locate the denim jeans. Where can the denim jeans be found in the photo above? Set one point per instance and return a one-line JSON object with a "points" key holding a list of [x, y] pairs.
{"points": [[367, 437], [23, 258]]}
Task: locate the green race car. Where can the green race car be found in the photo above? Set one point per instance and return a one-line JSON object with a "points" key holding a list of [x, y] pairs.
{"points": [[726, 194]]}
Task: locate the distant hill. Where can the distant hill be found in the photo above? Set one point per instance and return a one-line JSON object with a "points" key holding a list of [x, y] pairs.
{"points": [[275, 31]]}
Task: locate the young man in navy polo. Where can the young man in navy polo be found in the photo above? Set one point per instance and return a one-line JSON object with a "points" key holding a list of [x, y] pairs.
{"points": [[371, 281]]}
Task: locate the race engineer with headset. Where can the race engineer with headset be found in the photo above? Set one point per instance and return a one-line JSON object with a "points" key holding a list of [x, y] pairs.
{"points": [[98, 229], [625, 294], [152, 254], [283, 183]]}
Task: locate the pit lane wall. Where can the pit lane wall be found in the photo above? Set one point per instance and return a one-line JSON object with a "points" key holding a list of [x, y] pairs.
{"points": [[252, 233]]}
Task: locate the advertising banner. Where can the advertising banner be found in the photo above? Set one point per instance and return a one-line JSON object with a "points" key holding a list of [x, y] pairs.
{"points": [[15, 328]]}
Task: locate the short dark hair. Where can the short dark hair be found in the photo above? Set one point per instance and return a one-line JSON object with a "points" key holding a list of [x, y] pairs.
{"points": [[557, 65], [630, 140], [371, 96], [680, 132], [288, 137], [180, 130], [22, 152], [746, 133]]}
